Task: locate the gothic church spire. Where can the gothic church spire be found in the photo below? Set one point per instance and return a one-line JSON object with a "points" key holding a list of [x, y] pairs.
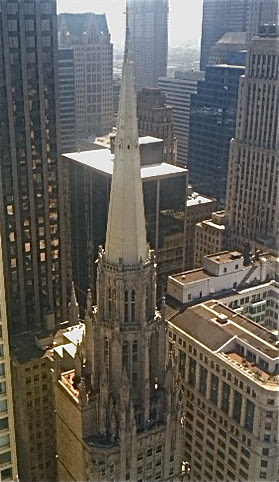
{"points": [[126, 234]]}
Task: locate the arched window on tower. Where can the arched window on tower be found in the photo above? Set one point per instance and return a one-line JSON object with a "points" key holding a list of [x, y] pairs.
{"points": [[135, 362], [125, 355], [106, 355], [147, 303], [126, 306], [133, 306], [113, 303], [109, 303]]}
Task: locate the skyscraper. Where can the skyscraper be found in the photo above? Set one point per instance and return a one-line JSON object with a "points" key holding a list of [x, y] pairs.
{"points": [[124, 403], [178, 90], [149, 34], [212, 125], [222, 16], [67, 100], [30, 176], [155, 119], [88, 35], [219, 17], [252, 193]]}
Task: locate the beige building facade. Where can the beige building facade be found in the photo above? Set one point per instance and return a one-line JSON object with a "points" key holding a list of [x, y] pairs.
{"points": [[88, 35], [8, 456], [210, 236], [252, 198], [229, 371]]}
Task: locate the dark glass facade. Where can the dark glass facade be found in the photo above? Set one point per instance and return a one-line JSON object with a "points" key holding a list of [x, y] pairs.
{"points": [[88, 194], [212, 125], [30, 180]]}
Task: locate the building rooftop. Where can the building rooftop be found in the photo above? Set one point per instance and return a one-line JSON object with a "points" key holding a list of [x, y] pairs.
{"points": [[224, 256], [102, 161], [221, 329], [232, 38], [196, 198], [191, 276]]}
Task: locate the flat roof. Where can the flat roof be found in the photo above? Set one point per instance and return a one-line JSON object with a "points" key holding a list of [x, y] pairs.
{"points": [[191, 276], [200, 322], [102, 161], [197, 198], [224, 256]]}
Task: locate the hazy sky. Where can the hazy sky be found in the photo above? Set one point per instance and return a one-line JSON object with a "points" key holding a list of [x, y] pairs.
{"points": [[184, 19]]}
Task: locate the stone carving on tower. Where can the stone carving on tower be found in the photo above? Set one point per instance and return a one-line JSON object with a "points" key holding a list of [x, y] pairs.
{"points": [[125, 398]]}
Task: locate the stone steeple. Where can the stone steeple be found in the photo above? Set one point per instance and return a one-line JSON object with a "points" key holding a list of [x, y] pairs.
{"points": [[126, 401], [126, 233]]}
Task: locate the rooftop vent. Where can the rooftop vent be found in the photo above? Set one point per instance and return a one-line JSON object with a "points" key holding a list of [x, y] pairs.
{"points": [[218, 258], [221, 318]]}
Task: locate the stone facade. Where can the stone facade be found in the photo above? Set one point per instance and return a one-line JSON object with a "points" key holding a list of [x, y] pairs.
{"points": [[155, 119], [118, 409], [252, 201]]}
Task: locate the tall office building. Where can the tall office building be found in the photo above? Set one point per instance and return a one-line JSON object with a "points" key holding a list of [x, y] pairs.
{"points": [[222, 16], [67, 100], [252, 193], [149, 32], [118, 410], [229, 368], [178, 90], [219, 17], [261, 12], [30, 176], [88, 35], [212, 125], [8, 459], [155, 119]]}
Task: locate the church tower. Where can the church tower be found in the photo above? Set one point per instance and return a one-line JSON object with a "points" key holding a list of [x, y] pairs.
{"points": [[122, 394]]}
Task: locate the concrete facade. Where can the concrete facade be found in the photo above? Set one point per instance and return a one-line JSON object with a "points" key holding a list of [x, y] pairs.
{"points": [[155, 119], [229, 371], [210, 236], [252, 200], [88, 35], [8, 455]]}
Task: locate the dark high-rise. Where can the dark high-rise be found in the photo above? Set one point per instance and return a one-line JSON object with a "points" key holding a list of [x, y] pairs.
{"points": [[222, 16], [219, 17], [30, 177], [148, 21], [67, 100], [212, 125]]}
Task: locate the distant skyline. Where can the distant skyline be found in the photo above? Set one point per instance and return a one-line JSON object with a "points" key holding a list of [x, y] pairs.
{"points": [[184, 18]]}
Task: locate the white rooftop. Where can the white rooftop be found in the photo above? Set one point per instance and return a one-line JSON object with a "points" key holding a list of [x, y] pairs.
{"points": [[102, 161], [197, 198]]}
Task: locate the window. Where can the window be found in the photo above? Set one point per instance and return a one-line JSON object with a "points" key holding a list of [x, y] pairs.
{"points": [[126, 306], [182, 363], [192, 372], [133, 306], [265, 452], [237, 405], [214, 389], [263, 475], [4, 423], [225, 398], [264, 463], [249, 415], [6, 474], [203, 380], [4, 440], [3, 405]]}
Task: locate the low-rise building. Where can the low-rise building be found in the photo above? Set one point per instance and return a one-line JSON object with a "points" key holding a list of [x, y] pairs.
{"points": [[210, 236], [32, 365], [229, 370], [199, 207], [249, 286]]}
